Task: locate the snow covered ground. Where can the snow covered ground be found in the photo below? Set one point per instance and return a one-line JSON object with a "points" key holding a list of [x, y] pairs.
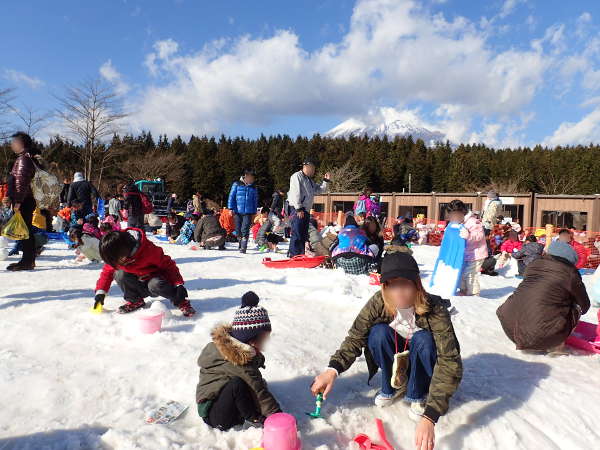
{"points": [[70, 379]]}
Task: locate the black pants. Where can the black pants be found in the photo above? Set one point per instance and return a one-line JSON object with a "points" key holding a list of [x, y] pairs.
{"points": [[233, 406], [135, 222], [135, 289], [28, 245]]}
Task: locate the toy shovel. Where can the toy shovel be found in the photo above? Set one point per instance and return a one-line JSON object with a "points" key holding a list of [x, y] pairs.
{"points": [[317, 412], [97, 309], [365, 442]]}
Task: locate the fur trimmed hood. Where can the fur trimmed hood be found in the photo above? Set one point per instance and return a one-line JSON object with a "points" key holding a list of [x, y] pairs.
{"points": [[231, 349]]}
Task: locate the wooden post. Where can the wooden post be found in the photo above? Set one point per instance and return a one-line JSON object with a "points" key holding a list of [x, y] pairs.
{"points": [[340, 219], [549, 234]]}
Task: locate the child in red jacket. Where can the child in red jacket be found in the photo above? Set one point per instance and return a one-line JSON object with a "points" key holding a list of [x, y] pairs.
{"points": [[141, 270]]}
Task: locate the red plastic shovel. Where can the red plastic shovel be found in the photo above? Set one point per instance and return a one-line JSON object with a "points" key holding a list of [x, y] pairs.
{"points": [[365, 442]]}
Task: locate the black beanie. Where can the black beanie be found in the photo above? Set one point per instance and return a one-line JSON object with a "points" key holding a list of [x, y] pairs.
{"points": [[399, 265]]}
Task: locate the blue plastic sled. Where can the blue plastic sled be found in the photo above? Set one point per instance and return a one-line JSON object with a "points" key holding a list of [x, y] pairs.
{"points": [[449, 265], [56, 236]]}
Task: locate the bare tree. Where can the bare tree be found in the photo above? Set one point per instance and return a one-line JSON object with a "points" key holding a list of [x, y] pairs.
{"points": [[557, 184], [90, 112], [156, 163], [33, 121], [346, 178], [6, 99]]}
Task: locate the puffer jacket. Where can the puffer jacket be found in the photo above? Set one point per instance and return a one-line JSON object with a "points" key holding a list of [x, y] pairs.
{"points": [[303, 189], [19, 180], [529, 252], [476, 247], [447, 373], [243, 198], [351, 241], [225, 358], [509, 246], [546, 306], [583, 254]]}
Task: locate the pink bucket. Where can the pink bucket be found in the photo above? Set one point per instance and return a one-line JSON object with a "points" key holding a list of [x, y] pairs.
{"points": [[280, 433], [150, 323]]}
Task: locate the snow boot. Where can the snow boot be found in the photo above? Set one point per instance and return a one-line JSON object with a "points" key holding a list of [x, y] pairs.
{"points": [[131, 306], [243, 245], [20, 266], [186, 308]]}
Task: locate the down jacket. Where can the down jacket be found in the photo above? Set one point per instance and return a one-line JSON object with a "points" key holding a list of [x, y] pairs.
{"points": [[148, 260], [447, 373], [225, 358], [476, 246], [19, 180], [243, 198], [351, 241], [546, 306]]}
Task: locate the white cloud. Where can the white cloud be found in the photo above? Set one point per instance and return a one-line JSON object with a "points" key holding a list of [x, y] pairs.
{"points": [[112, 75], [22, 78], [508, 7], [393, 50], [572, 133]]}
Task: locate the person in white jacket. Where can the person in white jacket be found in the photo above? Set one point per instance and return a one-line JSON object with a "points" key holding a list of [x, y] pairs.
{"points": [[300, 198]]}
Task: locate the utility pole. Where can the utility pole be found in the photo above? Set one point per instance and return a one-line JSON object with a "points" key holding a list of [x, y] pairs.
{"points": [[410, 183]]}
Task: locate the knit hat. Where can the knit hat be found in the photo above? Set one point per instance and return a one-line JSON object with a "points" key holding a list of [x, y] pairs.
{"points": [[563, 250], [399, 265], [78, 176], [250, 319]]}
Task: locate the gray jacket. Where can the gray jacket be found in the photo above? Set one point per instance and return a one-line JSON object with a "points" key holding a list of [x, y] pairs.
{"points": [[529, 253], [303, 190]]}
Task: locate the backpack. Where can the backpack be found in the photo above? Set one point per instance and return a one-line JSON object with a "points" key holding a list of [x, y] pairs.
{"points": [[360, 207], [147, 206], [45, 187]]}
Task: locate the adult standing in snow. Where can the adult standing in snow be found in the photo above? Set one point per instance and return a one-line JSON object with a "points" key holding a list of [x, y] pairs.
{"points": [[21, 195], [403, 316], [548, 303], [243, 201], [491, 210], [64, 193], [301, 198], [82, 190]]}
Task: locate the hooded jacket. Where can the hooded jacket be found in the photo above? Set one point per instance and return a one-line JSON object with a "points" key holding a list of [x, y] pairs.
{"points": [[546, 306], [476, 247], [351, 241], [148, 261], [225, 358], [303, 189], [243, 198], [529, 252], [447, 373], [21, 175]]}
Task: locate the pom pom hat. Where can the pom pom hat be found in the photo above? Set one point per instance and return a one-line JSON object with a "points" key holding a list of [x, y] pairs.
{"points": [[250, 319]]}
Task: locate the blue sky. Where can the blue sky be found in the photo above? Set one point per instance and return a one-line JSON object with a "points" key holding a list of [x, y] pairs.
{"points": [[503, 72]]}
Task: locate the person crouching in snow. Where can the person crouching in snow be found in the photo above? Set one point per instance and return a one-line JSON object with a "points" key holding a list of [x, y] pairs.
{"points": [[231, 389], [476, 247], [186, 235], [86, 244], [546, 307], [141, 269], [403, 316]]}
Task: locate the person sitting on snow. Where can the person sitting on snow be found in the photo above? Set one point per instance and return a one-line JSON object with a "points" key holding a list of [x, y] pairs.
{"points": [[545, 308], [209, 233], [351, 250], [231, 389], [186, 235], [141, 269], [174, 224]]}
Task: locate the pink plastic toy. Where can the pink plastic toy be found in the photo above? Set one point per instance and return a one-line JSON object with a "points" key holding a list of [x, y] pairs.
{"points": [[586, 336], [365, 442], [150, 323], [280, 433]]}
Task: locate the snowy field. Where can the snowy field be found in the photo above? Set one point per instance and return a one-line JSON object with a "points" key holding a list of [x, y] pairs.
{"points": [[71, 379]]}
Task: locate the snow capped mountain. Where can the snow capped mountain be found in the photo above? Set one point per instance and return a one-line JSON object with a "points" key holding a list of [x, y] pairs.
{"points": [[387, 122]]}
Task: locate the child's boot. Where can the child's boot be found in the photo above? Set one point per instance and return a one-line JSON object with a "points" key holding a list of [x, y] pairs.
{"points": [[131, 306], [186, 308]]}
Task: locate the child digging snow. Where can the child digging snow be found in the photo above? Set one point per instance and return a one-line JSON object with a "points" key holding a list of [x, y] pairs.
{"points": [[141, 269], [231, 389]]}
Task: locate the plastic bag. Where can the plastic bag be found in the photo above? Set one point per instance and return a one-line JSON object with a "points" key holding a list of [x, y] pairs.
{"points": [[16, 228]]}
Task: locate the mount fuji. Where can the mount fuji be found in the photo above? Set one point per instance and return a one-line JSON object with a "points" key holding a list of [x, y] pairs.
{"points": [[387, 122]]}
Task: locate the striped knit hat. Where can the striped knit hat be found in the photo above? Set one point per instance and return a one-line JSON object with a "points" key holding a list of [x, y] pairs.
{"points": [[250, 319]]}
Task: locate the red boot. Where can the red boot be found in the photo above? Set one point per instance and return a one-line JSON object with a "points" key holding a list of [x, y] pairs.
{"points": [[186, 308]]}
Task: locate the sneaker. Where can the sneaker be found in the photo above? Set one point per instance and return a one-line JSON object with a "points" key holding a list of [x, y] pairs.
{"points": [[384, 400], [131, 306], [186, 308], [416, 411], [263, 249]]}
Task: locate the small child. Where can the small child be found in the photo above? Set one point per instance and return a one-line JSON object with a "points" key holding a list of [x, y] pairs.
{"points": [[231, 389], [88, 245], [187, 230], [511, 245], [530, 251], [91, 226]]}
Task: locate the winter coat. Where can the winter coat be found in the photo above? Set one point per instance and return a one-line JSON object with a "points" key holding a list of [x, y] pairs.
{"points": [[133, 202], [82, 191], [64, 193], [317, 242], [583, 253], [403, 233], [226, 358], [529, 252], [366, 205], [199, 204], [448, 369], [173, 230], [491, 212], [90, 248], [90, 229], [208, 227], [509, 246], [277, 205], [147, 261], [546, 306], [186, 234], [243, 198], [19, 180], [351, 241], [476, 246], [303, 189]]}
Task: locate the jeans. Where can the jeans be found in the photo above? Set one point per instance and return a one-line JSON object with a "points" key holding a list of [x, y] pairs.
{"points": [[243, 222], [135, 289], [234, 405], [422, 359], [299, 233]]}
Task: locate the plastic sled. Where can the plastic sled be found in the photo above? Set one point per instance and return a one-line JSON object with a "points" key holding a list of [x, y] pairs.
{"points": [[365, 442], [56, 236], [297, 262], [161, 237], [585, 337]]}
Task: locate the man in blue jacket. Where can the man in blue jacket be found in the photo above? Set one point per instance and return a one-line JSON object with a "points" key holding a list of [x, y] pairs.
{"points": [[243, 201]]}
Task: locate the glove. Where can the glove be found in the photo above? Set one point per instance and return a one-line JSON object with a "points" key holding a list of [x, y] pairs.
{"points": [[99, 300], [464, 233], [181, 293]]}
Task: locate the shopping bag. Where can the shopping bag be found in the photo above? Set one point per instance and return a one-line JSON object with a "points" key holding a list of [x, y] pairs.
{"points": [[15, 228]]}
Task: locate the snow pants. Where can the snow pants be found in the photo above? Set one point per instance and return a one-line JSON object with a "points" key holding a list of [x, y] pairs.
{"points": [[135, 289], [469, 282], [233, 406], [422, 358]]}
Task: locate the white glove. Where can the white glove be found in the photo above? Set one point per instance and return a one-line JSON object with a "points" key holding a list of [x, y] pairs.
{"points": [[464, 233]]}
